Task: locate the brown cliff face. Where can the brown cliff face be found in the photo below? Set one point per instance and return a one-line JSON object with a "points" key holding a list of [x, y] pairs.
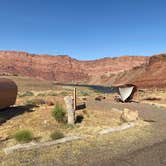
{"points": [[63, 68], [59, 68], [108, 66], [152, 74]]}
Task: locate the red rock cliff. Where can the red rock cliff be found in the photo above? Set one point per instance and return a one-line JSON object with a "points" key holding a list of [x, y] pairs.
{"points": [[152, 74], [63, 68]]}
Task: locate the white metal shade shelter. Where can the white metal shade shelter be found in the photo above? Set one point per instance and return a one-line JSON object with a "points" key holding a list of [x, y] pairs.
{"points": [[126, 91]]}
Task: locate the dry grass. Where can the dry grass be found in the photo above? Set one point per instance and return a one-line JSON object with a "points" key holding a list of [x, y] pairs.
{"points": [[40, 121], [158, 94], [117, 143]]}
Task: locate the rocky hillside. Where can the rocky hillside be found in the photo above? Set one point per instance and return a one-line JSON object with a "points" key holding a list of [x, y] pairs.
{"points": [[63, 68], [151, 74], [154, 73], [138, 70]]}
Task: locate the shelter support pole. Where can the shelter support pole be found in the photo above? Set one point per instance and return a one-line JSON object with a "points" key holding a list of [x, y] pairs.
{"points": [[75, 98]]}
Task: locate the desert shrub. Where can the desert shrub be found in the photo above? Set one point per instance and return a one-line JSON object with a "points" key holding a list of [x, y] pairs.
{"points": [[56, 135], [82, 93], [35, 102], [47, 94], [59, 113], [41, 94], [23, 136], [63, 93], [27, 93], [52, 94]]}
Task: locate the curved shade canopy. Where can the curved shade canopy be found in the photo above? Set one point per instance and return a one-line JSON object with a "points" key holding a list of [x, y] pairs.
{"points": [[125, 92]]}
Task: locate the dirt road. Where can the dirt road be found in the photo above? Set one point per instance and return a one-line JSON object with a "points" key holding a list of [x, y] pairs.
{"points": [[151, 154]]}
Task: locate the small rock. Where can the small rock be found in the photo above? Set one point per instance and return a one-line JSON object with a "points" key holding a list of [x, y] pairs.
{"points": [[99, 98], [49, 103], [129, 115]]}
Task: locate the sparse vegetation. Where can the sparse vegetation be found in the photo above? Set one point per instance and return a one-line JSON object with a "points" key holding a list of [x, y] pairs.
{"points": [[52, 94], [59, 112], [47, 94], [56, 135], [63, 93], [96, 116], [27, 93], [35, 102], [23, 136], [41, 94], [82, 93]]}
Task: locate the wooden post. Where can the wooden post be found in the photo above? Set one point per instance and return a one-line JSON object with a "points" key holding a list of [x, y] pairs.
{"points": [[75, 99], [70, 110]]}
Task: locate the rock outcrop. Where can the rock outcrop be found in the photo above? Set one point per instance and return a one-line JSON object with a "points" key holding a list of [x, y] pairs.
{"points": [[150, 75]]}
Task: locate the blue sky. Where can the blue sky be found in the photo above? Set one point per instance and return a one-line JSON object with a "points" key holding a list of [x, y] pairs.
{"points": [[84, 29]]}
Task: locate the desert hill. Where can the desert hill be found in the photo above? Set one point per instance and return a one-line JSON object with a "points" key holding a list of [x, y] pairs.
{"points": [[140, 70], [154, 73], [149, 75], [62, 68]]}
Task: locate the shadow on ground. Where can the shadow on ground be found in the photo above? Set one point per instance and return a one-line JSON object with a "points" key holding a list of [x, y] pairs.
{"points": [[79, 118], [96, 88], [11, 112]]}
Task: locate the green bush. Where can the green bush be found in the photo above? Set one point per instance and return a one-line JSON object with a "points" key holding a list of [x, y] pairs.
{"points": [[23, 136], [82, 93], [27, 93], [35, 102], [56, 135], [59, 113]]}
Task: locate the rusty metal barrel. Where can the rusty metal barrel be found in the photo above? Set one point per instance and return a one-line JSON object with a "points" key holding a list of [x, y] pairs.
{"points": [[8, 93]]}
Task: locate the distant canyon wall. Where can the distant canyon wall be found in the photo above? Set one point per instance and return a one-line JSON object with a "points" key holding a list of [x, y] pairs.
{"points": [[62, 68]]}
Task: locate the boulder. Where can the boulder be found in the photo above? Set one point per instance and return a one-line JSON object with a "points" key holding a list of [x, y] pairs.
{"points": [[99, 98], [49, 102], [129, 115]]}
